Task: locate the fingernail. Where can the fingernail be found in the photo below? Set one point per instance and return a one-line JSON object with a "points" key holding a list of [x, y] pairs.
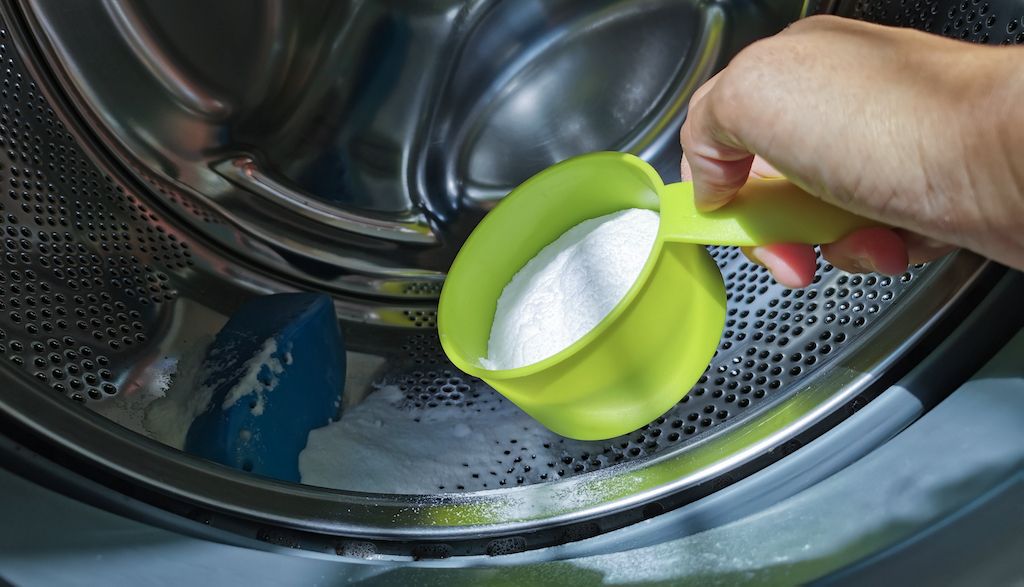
{"points": [[781, 272], [755, 255], [864, 265]]}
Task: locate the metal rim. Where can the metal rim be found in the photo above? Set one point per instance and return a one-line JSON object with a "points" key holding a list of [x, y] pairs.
{"points": [[163, 470]]}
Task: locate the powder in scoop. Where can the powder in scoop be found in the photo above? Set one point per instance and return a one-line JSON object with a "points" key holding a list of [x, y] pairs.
{"points": [[569, 287]]}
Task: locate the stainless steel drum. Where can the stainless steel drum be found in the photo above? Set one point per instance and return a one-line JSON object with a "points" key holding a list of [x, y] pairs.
{"points": [[164, 161]]}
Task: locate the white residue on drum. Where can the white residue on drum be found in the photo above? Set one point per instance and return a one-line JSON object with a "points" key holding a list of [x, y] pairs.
{"points": [[387, 445]]}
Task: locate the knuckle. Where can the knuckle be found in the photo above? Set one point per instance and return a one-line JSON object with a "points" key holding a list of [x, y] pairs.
{"points": [[813, 22], [684, 134], [731, 97], [751, 56], [753, 63]]}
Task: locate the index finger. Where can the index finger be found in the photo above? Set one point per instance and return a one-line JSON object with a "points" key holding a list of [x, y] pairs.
{"points": [[717, 163]]}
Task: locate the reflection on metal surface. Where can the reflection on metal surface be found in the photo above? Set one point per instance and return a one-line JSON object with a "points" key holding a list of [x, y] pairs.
{"points": [[388, 112], [149, 52], [382, 131], [244, 173]]}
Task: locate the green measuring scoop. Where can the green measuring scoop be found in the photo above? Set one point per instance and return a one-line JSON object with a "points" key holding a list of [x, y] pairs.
{"points": [[654, 345]]}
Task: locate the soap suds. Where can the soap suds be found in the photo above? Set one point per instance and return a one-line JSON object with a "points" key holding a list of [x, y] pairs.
{"points": [[259, 375], [169, 418], [139, 388], [569, 287], [387, 445], [167, 415]]}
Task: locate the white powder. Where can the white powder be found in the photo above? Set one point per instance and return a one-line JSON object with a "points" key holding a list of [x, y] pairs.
{"points": [[569, 287], [169, 418], [140, 388], [250, 383], [388, 445]]}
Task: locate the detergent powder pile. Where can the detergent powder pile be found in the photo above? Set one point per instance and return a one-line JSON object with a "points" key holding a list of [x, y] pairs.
{"points": [[569, 287], [386, 444]]}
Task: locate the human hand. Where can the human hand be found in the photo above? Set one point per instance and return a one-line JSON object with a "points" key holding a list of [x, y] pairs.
{"points": [[913, 130]]}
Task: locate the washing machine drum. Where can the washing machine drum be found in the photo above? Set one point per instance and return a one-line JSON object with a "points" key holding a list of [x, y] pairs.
{"points": [[163, 162]]}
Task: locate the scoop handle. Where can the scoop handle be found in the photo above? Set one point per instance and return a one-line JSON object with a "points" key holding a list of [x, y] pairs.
{"points": [[765, 211]]}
